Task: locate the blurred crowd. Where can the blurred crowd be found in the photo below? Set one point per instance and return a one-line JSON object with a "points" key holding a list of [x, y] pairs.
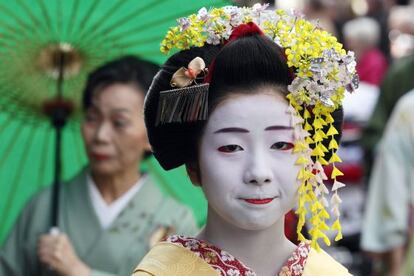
{"points": [[378, 141]]}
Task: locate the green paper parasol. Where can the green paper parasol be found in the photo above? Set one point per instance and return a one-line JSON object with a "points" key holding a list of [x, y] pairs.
{"points": [[34, 35]]}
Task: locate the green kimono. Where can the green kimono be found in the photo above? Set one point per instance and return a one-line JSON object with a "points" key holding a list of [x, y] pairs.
{"points": [[396, 83], [112, 251], [389, 207]]}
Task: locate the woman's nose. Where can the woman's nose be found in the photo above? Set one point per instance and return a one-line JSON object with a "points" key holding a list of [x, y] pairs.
{"points": [[258, 171], [102, 133]]}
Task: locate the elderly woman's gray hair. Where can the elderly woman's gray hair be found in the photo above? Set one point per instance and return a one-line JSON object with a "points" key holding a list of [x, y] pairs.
{"points": [[364, 30]]}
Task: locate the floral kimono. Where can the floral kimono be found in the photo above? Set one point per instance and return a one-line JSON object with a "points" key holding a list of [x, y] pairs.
{"points": [[182, 256]]}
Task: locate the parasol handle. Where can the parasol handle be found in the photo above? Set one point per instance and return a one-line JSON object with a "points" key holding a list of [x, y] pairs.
{"points": [[57, 176], [54, 231], [58, 109]]}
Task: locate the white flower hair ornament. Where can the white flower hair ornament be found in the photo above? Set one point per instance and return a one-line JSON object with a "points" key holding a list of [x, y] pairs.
{"points": [[323, 72]]}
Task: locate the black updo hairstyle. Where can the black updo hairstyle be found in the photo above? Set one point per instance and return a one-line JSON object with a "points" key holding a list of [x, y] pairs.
{"points": [[245, 64], [240, 67]]}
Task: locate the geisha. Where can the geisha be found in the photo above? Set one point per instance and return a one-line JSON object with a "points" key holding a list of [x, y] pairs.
{"points": [[253, 132]]}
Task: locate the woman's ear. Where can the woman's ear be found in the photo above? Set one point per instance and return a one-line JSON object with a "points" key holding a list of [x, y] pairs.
{"points": [[193, 172]]}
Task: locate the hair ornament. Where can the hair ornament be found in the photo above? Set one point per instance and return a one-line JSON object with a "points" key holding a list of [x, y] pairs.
{"points": [[323, 71], [187, 102], [186, 76]]}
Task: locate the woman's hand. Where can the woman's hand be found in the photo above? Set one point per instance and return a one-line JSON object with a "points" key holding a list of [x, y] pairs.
{"points": [[56, 251]]}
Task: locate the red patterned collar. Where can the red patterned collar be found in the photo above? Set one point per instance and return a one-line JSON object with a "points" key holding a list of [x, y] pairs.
{"points": [[227, 265], [295, 265]]}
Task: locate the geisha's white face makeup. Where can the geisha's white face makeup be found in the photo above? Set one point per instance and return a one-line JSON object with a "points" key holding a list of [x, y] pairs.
{"points": [[247, 167]]}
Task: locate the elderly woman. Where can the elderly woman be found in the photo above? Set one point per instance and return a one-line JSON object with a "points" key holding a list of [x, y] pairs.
{"points": [[110, 212]]}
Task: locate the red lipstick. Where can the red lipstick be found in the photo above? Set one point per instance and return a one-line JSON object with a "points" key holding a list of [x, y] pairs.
{"points": [[99, 157], [258, 201]]}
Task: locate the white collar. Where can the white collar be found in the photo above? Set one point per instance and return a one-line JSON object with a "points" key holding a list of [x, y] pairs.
{"points": [[107, 213]]}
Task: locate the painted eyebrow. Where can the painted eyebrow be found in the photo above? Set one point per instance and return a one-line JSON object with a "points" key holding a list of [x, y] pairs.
{"points": [[231, 129], [278, 128]]}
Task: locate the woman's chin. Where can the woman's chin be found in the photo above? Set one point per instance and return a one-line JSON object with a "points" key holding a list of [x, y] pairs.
{"points": [[103, 168], [255, 223]]}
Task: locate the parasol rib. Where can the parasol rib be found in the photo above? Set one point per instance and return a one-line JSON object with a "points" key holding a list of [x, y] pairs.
{"points": [[47, 17], [72, 17], [38, 25], [124, 20], [105, 17]]}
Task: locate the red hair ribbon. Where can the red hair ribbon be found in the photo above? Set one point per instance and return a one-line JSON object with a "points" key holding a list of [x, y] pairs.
{"points": [[246, 29]]}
